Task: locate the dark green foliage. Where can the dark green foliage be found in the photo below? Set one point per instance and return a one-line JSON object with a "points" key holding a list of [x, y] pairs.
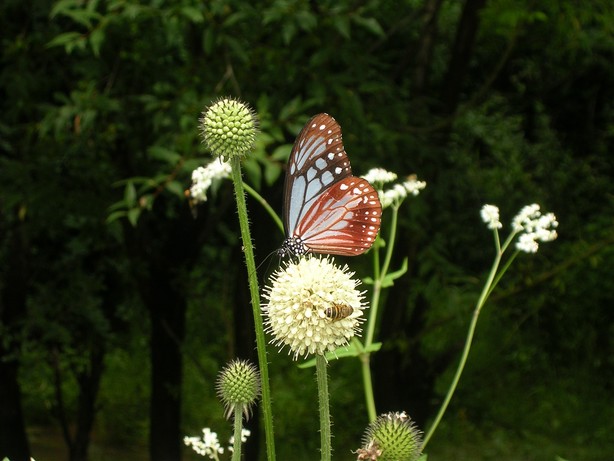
{"points": [[99, 107]]}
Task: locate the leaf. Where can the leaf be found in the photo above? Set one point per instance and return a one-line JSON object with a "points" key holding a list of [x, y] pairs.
{"points": [[176, 188], [96, 38], [133, 216], [116, 215], [65, 39], [130, 194], [166, 155], [193, 14], [346, 351], [370, 24], [282, 152], [253, 172], [390, 277], [342, 24], [272, 171]]}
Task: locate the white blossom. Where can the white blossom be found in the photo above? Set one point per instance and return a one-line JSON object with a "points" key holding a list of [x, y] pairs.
{"points": [[490, 215], [203, 177], [534, 226], [207, 445], [398, 192], [379, 176], [313, 306]]}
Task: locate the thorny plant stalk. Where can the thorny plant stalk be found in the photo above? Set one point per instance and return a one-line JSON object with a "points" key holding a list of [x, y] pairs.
{"points": [[323, 400], [238, 432], [255, 300]]}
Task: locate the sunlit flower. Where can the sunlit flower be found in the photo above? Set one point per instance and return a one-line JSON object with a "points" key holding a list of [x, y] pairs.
{"points": [[238, 384], [313, 306], [391, 437], [413, 186], [207, 445], [229, 128], [490, 215], [203, 178], [534, 226], [378, 177], [398, 192]]}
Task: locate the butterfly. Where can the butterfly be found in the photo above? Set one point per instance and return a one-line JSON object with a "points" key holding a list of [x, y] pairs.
{"points": [[326, 209]]}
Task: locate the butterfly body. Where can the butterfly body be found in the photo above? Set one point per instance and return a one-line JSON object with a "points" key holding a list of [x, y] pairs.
{"points": [[326, 208]]}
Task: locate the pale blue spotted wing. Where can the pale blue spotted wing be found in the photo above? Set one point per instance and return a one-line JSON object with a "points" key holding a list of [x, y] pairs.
{"points": [[326, 209]]}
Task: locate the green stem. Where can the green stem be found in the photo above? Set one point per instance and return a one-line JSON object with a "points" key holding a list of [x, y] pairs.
{"points": [[323, 398], [379, 275], [265, 205], [367, 383], [466, 349], [238, 415], [255, 300]]}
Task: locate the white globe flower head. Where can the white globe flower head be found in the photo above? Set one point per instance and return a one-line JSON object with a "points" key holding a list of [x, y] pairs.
{"points": [[313, 306]]}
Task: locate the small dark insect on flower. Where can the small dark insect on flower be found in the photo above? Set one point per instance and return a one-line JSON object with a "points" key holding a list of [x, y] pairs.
{"points": [[338, 311]]}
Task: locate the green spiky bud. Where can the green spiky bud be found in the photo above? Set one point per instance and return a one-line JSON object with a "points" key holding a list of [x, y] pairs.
{"points": [[238, 384], [391, 437], [228, 128]]}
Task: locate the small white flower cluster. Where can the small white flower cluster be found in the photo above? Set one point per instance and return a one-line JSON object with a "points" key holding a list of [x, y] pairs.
{"points": [[208, 445], [532, 225], [203, 177], [490, 215], [378, 177], [245, 433]]}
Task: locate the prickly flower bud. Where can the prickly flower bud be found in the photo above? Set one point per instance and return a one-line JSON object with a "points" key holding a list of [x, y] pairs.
{"points": [[228, 128], [391, 437], [238, 384]]}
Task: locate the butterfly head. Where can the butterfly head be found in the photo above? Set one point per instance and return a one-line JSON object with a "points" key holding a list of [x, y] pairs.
{"points": [[292, 246]]}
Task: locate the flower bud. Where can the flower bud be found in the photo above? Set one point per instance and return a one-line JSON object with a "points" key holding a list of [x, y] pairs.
{"points": [[238, 384], [228, 128], [391, 437]]}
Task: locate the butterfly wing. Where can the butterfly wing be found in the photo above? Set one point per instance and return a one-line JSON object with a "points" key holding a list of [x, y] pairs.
{"points": [[326, 209], [318, 160], [343, 220]]}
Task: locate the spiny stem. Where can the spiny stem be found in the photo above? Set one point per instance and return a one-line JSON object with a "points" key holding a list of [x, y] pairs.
{"points": [[238, 416], [323, 399], [255, 301]]}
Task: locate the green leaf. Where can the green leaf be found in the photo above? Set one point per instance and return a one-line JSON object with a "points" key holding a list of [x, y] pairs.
{"points": [[392, 276], [116, 215], [176, 188], [282, 152], [193, 14], [130, 194], [253, 172], [370, 24], [166, 155], [347, 351], [272, 171], [342, 24], [133, 216], [67, 38], [96, 38]]}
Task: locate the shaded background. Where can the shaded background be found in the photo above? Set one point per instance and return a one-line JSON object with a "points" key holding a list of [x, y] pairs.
{"points": [[113, 331]]}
